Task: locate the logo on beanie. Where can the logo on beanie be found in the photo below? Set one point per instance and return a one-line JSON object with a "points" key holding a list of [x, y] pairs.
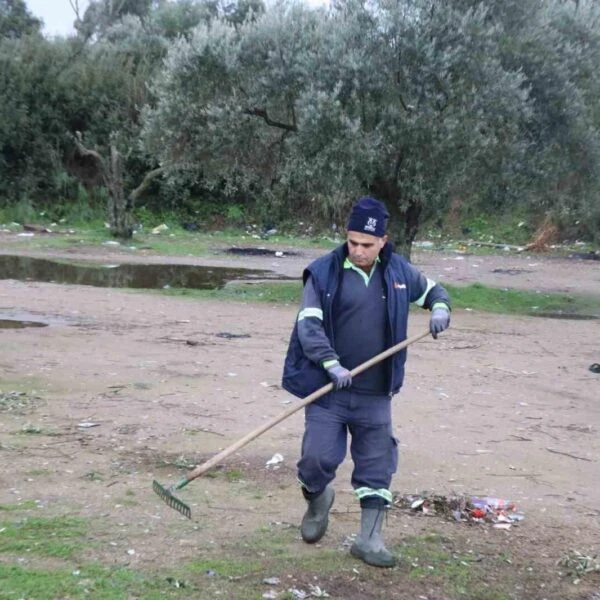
{"points": [[371, 224]]}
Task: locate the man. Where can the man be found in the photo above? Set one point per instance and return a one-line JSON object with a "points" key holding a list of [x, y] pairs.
{"points": [[355, 305]]}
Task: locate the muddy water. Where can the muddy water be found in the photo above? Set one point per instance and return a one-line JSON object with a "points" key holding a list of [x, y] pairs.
{"points": [[149, 276]]}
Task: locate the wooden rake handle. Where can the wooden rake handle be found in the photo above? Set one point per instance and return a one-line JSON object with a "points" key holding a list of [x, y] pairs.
{"points": [[215, 460]]}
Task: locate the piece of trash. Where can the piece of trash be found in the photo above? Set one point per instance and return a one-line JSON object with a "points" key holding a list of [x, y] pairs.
{"points": [[279, 254], [595, 368], [501, 525], [492, 503], [270, 595], [87, 424], [176, 582], [317, 592], [160, 228], [210, 573], [25, 234], [231, 336], [111, 243], [131, 551], [300, 594], [274, 460], [272, 580]]}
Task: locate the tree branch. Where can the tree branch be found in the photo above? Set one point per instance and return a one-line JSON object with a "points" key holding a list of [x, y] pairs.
{"points": [[262, 113], [148, 178], [96, 156]]}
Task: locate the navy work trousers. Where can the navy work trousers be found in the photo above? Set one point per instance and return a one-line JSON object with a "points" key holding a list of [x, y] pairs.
{"points": [[373, 447]]}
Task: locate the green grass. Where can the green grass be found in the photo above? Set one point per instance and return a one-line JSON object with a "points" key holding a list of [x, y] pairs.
{"points": [[18, 506], [474, 297], [58, 537], [90, 582], [236, 567], [433, 559], [175, 241], [279, 293], [519, 302]]}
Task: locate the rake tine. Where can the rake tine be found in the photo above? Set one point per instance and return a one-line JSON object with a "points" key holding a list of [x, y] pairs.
{"points": [[170, 500]]}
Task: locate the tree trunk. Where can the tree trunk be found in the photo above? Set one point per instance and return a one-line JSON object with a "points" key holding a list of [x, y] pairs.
{"points": [[404, 223], [120, 211]]}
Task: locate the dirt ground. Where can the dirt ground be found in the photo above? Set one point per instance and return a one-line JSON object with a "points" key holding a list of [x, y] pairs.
{"points": [[497, 406]]}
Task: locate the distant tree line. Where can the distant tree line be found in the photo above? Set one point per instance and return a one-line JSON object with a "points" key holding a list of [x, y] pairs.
{"points": [[288, 112]]}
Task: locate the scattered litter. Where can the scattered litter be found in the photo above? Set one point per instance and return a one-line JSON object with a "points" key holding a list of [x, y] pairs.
{"points": [[131, 552], [270, 595], [160, 228], [279, 254], [595, 368], [578, 564], [87, 424], [178, 583], [317, 592], [274, 460], [473, 509], [111, 243], [272, 580], [25, 234]]}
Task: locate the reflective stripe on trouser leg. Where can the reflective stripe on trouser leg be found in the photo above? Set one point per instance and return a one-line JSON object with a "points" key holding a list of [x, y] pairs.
{"points": [[323, 445], [374, 450]]}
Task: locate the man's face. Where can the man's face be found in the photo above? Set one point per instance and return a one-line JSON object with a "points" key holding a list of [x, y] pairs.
{"points": [[363, 248]]}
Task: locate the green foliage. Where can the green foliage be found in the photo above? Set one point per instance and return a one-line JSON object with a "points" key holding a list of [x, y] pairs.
{"points": [[16, 20], [267, 113]]}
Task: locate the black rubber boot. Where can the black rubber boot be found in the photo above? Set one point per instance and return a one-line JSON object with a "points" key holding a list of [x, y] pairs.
{"points": [[369, 546], [316, 517]]}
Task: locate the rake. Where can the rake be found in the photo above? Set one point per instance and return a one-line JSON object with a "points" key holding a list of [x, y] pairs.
{"points": [[166, 492]]}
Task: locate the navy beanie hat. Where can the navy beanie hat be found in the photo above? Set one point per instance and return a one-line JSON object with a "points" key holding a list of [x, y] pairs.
{"points": [[368, 216]]}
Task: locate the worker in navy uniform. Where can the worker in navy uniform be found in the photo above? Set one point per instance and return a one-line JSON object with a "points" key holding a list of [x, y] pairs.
{"points": [[355, 305]]}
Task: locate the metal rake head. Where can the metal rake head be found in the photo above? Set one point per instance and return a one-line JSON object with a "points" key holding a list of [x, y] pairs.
{"points": [[170, 500]]}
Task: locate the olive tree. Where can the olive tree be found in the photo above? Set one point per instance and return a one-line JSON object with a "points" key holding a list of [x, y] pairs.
{"points": [[405, 100]]}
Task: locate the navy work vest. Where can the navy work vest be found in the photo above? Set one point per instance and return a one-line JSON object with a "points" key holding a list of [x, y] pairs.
{"points": [[301, 376]]}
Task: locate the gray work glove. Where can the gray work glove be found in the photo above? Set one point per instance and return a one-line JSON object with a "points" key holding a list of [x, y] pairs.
{"points": [[340, 376], [439, 321]]}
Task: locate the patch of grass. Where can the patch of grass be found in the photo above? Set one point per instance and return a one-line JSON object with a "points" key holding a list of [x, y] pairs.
{"points": [[475, 297], [17, 506], [233, 475], [224, 567], [59, 537], [279, 293], [31, 429], [90, 582], [519, 302], [38, 472]]}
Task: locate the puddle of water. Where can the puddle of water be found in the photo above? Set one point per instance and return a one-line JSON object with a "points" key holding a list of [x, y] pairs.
{"points": [[26, 268], [16, 324]]}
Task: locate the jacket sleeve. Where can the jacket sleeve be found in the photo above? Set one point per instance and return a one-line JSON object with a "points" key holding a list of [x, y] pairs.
{"points": [[425, 292], [311, 333]]}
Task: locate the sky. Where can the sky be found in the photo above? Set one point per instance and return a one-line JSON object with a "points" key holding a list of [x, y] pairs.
{"points": [[58, 15]]}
